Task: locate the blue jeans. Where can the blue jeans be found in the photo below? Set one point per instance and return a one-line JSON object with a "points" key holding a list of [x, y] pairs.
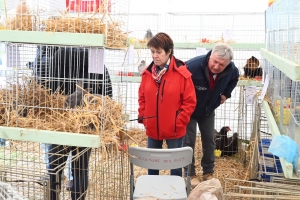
{"points": [[2, 142], [45, 147], [206, 126], [157, 144]]}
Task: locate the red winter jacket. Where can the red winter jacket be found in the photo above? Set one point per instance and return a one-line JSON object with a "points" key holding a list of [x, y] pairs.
{"points": [[171, 102]]}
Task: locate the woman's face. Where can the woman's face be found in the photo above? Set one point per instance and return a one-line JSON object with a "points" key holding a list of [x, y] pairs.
{"points": [[159, 56]]}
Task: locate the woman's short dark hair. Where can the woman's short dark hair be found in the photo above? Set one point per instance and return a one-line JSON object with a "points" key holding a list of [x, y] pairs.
{"points": [[161, 40]]}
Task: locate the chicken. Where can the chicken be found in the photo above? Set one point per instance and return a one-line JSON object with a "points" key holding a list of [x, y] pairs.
{"points": [[218, 136], [148, 35], [227, 145], [232, 145], [252, 68], [142, 66]]}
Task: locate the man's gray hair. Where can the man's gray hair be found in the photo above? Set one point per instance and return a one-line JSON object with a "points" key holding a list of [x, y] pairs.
{"points": [[223, 51]]}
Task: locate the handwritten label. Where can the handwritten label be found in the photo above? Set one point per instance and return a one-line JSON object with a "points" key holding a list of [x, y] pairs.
{"points": [[161, 161], [227, 34], [200, 51], [130, 55], [96, 61], [250, 92]]}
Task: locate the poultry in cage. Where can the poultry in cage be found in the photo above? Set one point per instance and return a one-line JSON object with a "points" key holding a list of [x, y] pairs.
{"points": [[227, 145], [142, 66], [252, 69], [148, 35]]}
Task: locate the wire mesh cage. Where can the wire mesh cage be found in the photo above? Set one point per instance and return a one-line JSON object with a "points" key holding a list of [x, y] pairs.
{"points": [[62, 90], [58, 78], [7, 192], [212, 27], [107, 17], [284, 96], [42, 171], [282, 23], [237, 189], [107, 166], [139, 23]]}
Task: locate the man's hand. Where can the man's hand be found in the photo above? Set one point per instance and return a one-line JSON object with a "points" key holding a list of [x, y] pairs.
{"points": [[223, 99]]}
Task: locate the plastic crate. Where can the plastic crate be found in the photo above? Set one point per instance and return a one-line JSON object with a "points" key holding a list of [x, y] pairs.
{"points": [[269, 164], [263, 147]]}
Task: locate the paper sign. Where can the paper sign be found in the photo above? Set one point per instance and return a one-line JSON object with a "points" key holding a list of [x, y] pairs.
{"points": [[130, 55], [2, 55], [227, 34], [264, 90], [96, 61], [250, 92], [200, 51], [13, 56]]}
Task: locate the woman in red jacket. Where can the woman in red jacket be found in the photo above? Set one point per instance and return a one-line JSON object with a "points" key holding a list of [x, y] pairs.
{"points": [[166, 97]]}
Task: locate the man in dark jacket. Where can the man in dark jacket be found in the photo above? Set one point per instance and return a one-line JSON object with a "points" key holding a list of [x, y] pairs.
{"points": [[214, 77]]}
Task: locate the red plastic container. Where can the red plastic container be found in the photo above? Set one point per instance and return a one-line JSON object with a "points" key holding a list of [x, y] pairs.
{"points": [[86, 5]]}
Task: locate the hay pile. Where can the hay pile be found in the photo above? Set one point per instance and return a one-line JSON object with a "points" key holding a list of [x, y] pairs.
{"points": [[115, 37], [25, 22], [27, 104], [74, 25], [225, 167]]}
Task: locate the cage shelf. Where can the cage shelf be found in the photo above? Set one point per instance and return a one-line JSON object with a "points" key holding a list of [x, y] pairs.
{"points": [[186, 45], [250, 83], [133, 79], [57, 38], [137, 79], [286, 166], [289, 68], [53, 137]]}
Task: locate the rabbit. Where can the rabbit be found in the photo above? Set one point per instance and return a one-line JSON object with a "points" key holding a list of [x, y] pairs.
{"points": [[76, 98]]}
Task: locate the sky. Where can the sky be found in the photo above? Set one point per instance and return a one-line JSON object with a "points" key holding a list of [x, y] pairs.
{"points": [[164, 6]]}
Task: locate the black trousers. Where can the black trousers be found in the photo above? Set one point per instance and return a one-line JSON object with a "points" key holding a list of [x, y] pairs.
{"points": [[58, 155]]}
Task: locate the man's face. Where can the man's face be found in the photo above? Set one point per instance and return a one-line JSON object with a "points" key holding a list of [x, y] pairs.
{"points": [[216, 64]]}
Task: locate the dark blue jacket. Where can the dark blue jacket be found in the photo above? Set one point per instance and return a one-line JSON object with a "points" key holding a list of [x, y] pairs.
{"points": [[208, 101]]}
